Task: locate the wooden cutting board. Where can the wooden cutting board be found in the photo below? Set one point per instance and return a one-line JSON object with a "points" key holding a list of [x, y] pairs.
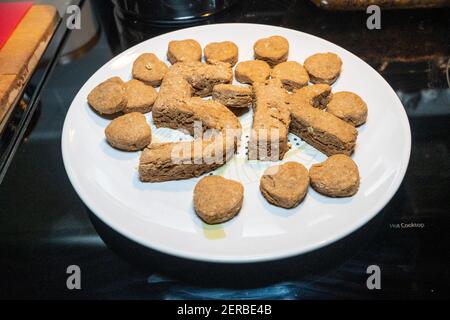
{"points": [[21, 53]]}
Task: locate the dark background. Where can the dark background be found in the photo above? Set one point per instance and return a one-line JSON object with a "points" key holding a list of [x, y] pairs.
{"points": [[44, 226]]}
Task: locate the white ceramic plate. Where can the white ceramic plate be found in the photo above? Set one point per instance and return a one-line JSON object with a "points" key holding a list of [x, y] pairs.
{"points": [[161, 215]]}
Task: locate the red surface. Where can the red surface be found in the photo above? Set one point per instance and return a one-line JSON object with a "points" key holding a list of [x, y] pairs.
{"points": [[10, 15]]}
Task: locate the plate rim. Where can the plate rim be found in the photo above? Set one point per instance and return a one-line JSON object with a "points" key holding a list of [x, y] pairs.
{"points": [[383, 201]]}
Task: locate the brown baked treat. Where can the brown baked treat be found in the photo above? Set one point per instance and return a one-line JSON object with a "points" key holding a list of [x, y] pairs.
{"points": [[184, 51], [185, 113], [129, 132], [203, 77], [149, 69], [217, 199], [233, 96], [252, 71], [173, 88], [108, 97], [324, 131], [183, 160], [349, 107], [116, 80], [323, 67], [285, 185], [338, 176], [317, 95], [273, 50], [140, 97], [225, 51], [268, 138], [292, 75]]}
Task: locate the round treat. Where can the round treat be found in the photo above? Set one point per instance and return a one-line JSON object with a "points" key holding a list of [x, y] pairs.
{"points": [[338, 176], [184, 51], [252, 71], [129, 132], [108, 97], [292, 75], [349, 107], [285, 185], [274, 49], [217, 199], [225, 51], [323, 67], [140, 97], [149, 69]]}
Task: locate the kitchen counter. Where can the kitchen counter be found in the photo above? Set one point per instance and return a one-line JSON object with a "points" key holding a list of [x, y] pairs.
{"points": [[45, 227]]}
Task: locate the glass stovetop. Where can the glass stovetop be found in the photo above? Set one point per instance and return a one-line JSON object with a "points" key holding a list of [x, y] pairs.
{"points": [[44, 226]]}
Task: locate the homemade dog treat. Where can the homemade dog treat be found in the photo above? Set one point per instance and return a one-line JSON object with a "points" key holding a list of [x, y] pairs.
{"points": [[338, 176], [274, 49], [217, 199], [183, 115], [203, 77], [129, 132], [140, 97], [116, 80], [183, 160], [233, 96], [252, 71], [108, 97], [173, 88], [292, 75], [317, 95], [268, 139], [149, 69], [225, 51], [285, 185], [323, 67], [324, 120], [349, 107], [184, 51], [324, 131]]}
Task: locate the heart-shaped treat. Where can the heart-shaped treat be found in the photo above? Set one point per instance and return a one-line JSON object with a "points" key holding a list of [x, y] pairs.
{"points": [[108, 97], [338, 176], [129, 132], [285, 185], [217, 199]]}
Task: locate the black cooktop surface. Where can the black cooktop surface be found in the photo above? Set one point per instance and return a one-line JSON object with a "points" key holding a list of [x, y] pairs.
{"points": [[45, 227]]}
